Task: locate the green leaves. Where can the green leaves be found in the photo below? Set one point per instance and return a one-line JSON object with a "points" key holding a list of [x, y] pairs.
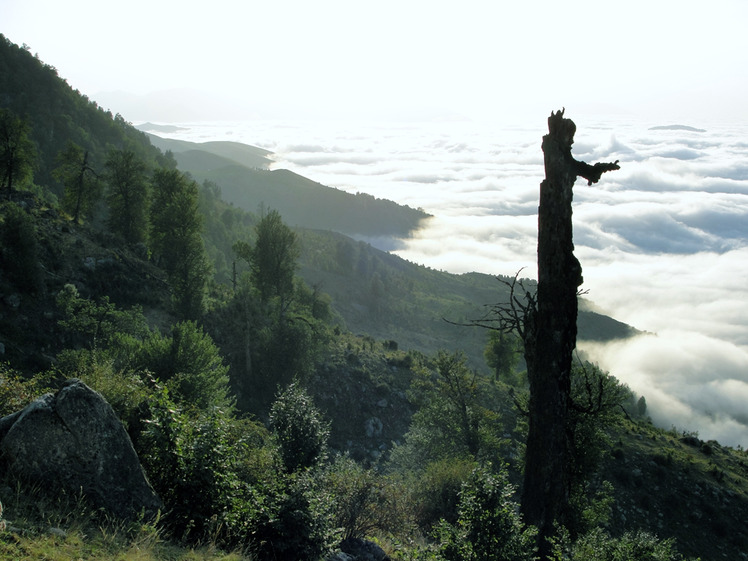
{"points": [[272, 260], [488, 525], [300, 431], [176, 241], [17, 151], [127, 196]]}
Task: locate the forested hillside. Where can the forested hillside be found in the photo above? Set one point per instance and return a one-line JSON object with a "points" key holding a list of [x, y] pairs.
{"points": [[239, 170], [293, 393]]}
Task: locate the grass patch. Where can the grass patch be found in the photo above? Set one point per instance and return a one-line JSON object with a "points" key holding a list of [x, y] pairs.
{"points": [[64, 528]]}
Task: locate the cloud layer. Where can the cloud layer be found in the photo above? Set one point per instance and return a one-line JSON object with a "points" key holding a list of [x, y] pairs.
{"points": [[663, 241]]}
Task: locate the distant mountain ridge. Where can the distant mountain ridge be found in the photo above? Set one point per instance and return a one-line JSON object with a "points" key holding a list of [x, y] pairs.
{"points": [[227, 152], [676, 128], [242, 173]]}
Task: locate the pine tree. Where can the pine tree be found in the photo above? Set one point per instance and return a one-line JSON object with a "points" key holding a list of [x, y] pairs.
{"points": [[127, 196], [176, 241]]}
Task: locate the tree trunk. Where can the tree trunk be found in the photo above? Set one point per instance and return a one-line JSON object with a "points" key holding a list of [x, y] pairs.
{"points": [[551, 337]]}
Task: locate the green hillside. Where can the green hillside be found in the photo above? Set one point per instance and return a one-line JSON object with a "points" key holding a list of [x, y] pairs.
{"points": [[387, 297], [229, 152], [58, 114], [240, 171]]}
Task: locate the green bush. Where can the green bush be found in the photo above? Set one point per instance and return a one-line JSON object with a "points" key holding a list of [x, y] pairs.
{"points": [[488, 524], [192, 460], [597, 545], [364, 502], [299, 429], [17, 392], [190, 365], [292, 520], [437, 491]]}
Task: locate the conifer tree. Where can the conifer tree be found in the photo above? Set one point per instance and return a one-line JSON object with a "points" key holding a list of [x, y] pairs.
{"points": [[176, 241], [17, 151], [127, 196], [82, 184], [272, 260]]}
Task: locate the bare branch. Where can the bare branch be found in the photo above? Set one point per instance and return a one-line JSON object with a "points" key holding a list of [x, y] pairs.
{"points": [[507, 317]]}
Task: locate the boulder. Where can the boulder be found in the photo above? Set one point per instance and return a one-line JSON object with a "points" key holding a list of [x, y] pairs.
{"points": [[73, 441], [363, 550]]}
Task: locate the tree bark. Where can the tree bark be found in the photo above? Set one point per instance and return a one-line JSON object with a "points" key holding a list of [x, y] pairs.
{"points": [[550, 336]]}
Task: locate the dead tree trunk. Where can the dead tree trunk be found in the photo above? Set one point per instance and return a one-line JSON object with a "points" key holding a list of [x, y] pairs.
{"points": [[550, 337]]}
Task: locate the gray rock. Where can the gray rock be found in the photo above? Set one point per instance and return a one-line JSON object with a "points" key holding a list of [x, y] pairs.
{"points": [[340, 557], [74, 441], [363, 550], [373, 427]]}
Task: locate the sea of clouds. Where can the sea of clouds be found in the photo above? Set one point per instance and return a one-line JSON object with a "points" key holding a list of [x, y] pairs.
{"points": [[663, 242]]}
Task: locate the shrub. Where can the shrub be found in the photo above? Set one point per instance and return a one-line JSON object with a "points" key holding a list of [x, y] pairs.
{"points": [[364, 501], [437, 491], [300, 431], [191, 366], [488, 524], [597, 545], [292, 520], [17, 392], [192, 463]]}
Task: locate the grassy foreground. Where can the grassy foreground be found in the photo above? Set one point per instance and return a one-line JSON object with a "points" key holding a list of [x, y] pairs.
{"points": [[37, 529]]}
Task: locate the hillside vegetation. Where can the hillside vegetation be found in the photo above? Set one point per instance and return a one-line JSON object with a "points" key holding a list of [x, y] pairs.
{"points": [[292, 392], [241, 172]]}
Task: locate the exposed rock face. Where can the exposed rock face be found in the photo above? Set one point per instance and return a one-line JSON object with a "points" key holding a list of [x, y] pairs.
{"points": [[74, 441]]}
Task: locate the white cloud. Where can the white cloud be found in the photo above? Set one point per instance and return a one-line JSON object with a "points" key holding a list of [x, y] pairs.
{"points": [[690, 381]]}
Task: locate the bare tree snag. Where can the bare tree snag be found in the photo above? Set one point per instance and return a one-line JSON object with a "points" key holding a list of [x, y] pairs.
{"points": [[550, 335]]}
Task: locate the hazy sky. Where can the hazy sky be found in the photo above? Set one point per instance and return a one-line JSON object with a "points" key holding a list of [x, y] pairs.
{"points": [[676, 59]]}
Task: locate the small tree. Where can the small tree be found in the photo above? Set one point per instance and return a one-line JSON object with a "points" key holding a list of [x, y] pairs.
{"points": [[190, 365], [127, 196], [17, 151], [82, 185], [454, 417], [176, 225], [272, 260], [501, 354], [299, 429], [488, 524]]}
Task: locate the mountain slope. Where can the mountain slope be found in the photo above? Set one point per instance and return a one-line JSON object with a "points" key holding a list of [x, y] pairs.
{"points": [[57, 114], [389, 298], [234, 152], [241, 172]]}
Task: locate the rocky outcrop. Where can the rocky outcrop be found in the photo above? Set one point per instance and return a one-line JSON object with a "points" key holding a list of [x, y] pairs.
{"points": [[357, 549], [362, 550], [73, 441]]}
